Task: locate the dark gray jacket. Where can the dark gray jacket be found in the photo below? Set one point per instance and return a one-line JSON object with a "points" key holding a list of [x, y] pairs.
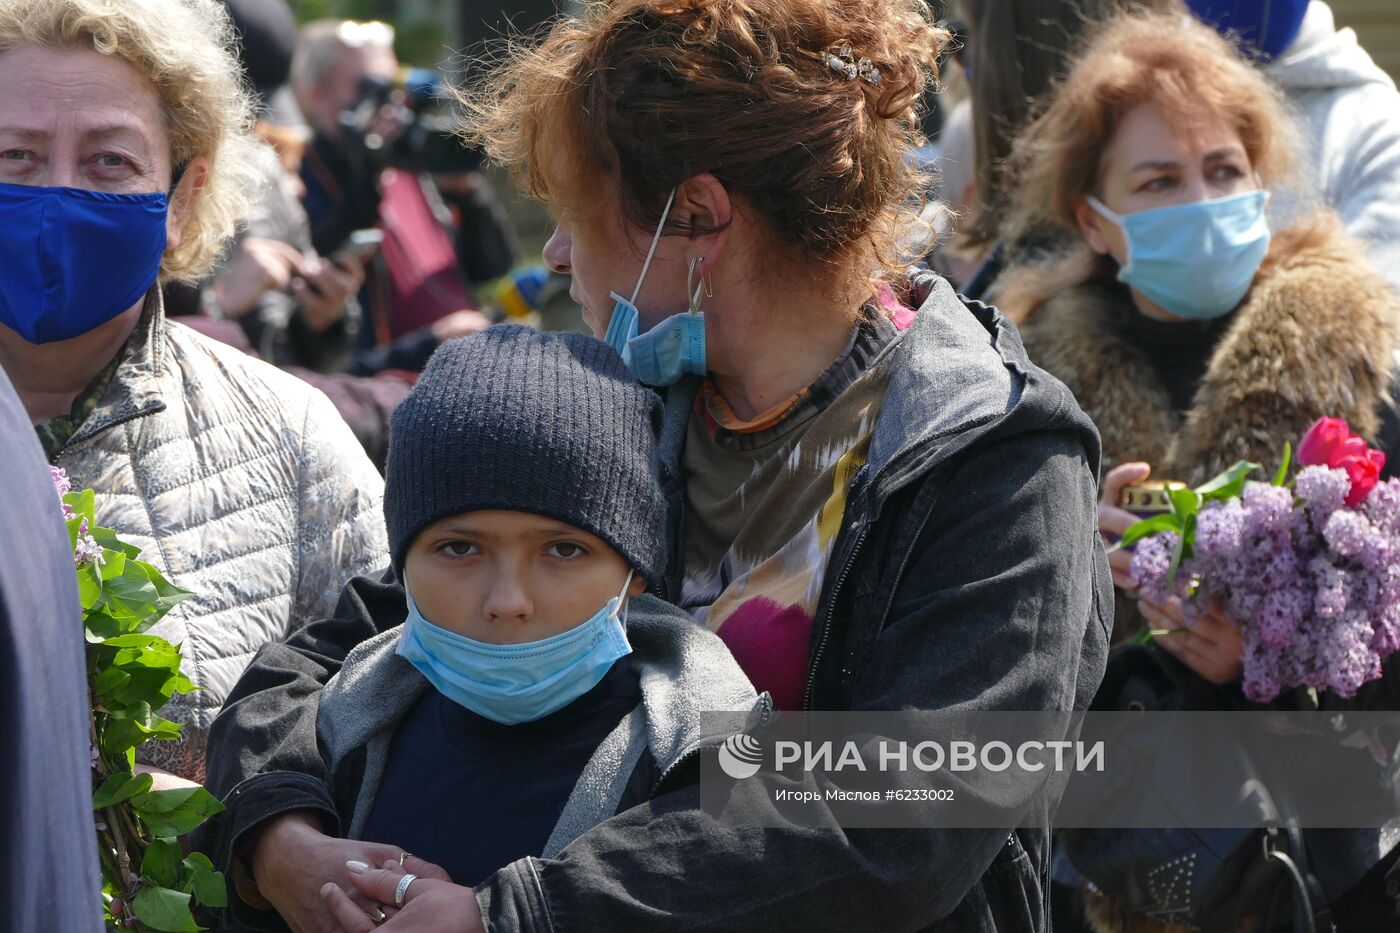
{"points": [[968, 574]]}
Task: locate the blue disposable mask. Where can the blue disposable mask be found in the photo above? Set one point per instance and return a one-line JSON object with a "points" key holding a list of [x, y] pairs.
{"points": [[512, 684], [1195, 260], [71, 260], [671, 349]]}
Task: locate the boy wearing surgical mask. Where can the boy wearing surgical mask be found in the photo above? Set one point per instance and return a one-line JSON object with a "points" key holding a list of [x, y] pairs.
{"points": [[533, 690]]}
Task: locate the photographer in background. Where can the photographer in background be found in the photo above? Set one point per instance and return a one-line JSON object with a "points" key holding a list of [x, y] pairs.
{"points": [[382, 155]]}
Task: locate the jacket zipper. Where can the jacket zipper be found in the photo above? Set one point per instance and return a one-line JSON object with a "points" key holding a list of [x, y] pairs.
{"points": [[830, 615], [696, 749]]}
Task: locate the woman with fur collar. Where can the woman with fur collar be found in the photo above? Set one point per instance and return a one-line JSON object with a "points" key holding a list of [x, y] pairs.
{"points": [[1192, 336]]}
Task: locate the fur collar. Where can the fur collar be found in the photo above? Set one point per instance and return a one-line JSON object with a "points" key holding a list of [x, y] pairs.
{"points": [[1316, 335]]}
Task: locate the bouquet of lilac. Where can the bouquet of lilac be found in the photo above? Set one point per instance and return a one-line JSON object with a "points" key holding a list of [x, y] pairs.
{"points": [[1310, 571]]}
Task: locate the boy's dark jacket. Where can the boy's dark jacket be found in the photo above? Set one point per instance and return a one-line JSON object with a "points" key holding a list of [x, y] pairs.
{"points": [[968, 574]]}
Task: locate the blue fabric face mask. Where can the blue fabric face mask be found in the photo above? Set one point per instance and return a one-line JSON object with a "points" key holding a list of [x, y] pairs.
{"points": [[511, 684], [71, 260], [669, 350], [1195, 260]]}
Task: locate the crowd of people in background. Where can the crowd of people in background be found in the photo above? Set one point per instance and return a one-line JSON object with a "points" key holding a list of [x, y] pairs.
{"points": [[848, 428]]}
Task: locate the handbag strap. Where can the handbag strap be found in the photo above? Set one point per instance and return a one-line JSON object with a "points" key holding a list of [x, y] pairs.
{"points": [[1303, 885]]}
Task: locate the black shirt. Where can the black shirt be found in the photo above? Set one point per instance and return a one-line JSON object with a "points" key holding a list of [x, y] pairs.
{"points": [[472, 795], [1179, 351]]}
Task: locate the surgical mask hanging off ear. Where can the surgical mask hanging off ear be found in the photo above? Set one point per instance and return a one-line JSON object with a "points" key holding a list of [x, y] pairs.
{"points": [[1195, 260], [675, 346]]}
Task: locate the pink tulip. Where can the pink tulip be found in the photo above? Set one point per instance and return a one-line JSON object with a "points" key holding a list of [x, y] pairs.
{"points": [[1365, 473], [1323, 444]]}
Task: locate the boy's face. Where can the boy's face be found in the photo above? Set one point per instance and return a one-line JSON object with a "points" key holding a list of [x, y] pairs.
{"points": [[511, 577]]}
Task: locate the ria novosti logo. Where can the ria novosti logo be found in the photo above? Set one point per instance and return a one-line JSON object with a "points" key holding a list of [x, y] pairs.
{"points": [[740, 756]]}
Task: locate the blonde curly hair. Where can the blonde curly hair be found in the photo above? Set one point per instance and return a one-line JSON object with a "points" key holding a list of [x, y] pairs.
{"points": [[184, 48]]}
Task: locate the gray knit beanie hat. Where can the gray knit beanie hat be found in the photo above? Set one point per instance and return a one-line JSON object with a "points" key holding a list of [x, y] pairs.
{"points": [[548, 423]]}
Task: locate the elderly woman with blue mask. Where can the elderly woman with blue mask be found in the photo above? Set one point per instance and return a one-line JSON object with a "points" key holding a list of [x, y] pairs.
{"points": [[124, 163]]}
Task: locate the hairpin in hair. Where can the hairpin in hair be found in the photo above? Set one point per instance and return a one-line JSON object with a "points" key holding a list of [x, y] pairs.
{"points": [[840, 59]]}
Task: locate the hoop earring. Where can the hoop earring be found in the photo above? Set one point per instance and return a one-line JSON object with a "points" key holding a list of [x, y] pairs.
{"points": [[692, 289]]}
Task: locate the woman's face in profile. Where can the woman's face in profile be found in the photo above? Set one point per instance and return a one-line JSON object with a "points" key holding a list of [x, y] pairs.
{"points": [[1150, 164]]}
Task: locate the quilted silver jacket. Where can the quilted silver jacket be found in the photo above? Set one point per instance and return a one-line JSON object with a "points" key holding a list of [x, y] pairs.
{"points": [[244, 486]]}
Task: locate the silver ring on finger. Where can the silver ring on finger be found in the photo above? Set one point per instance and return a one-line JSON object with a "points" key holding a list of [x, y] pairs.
{"points": [[402, 890]]}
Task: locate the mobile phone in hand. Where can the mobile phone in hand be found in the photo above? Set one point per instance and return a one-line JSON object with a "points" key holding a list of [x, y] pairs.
{"points": [[361, 245]]}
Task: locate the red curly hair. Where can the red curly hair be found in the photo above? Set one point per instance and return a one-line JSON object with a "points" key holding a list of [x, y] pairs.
{"points": [[649, 93]]}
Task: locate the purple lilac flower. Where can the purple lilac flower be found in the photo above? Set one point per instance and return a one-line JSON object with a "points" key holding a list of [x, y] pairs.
{"points": [[1267, 508], [1152, 558], [1347, 532], [1331, 599], [87, 550], [1315, 583], [1348, 656], [1281, 612], [1275, 562], [62, 486], [1382, 507], [1385, 639], [1324, 490], [1219, 529], [1262, 678]]}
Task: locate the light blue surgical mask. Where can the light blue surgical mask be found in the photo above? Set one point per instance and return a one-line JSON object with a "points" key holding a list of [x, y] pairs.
{"points": [[1195, 260], [511, 684], [675, 346]]}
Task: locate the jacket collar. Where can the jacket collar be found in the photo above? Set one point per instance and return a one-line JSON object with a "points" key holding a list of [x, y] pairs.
{"points": [[958, 370], [135, 388]]}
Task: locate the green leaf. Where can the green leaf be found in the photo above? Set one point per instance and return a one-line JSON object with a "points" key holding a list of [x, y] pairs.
{"points": [[83, 506], [119, 787], [89, 587], [198, 861], [108, 682], [168, 594], [165, 910], [129, 595], [1180, 553], [161, 864], [176, 812], [1281, 476], [207, 884], [1227, 485], [1185, 504], [152, 665], [109, 540], [1148, 526]]}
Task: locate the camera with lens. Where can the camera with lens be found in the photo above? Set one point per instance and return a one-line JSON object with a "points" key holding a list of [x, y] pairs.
{"points": [[410, 123]]}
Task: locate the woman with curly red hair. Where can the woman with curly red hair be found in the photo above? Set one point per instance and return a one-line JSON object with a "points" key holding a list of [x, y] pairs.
{"points": [[875, 501]]}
